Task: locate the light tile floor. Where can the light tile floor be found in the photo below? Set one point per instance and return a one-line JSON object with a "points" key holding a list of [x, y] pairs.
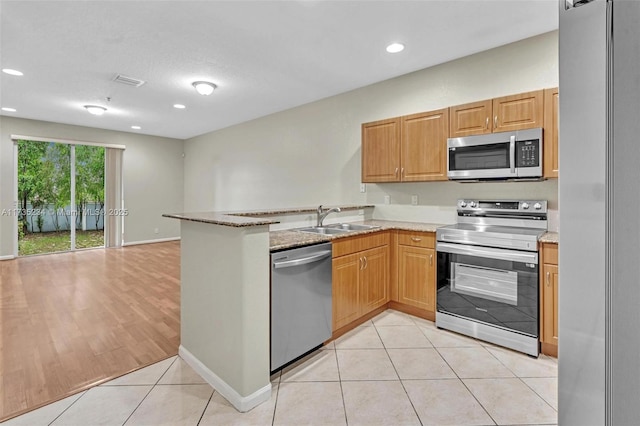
{"points": [[393, 370]]}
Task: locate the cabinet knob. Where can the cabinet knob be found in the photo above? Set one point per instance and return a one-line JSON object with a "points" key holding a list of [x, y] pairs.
{"points": [[396, 172], [486, 123], [365, 263], [430, 260], [548, 278], [416, 239]]}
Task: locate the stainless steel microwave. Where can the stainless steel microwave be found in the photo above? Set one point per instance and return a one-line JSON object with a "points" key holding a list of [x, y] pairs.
{"points": [[504, 155]]}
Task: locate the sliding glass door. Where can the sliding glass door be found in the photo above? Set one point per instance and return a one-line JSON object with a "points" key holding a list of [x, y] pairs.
{"points": [[61, 197]]}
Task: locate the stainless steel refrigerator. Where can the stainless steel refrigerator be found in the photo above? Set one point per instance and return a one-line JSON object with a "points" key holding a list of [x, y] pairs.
{"points": [[599, 204]]}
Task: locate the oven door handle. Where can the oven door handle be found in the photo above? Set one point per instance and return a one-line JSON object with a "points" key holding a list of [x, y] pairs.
{"points": [[487, 252]]}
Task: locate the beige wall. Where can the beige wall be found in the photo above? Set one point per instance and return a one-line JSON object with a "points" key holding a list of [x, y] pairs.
{"points": [[152, 173], [311, 154]]}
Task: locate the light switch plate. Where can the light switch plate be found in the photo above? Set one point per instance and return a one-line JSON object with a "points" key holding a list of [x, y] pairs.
{"points": [[387, 199], [363, 187], [414, 200]]}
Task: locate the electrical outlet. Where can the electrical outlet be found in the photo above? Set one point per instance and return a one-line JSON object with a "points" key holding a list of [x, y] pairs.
{"points": [[414, 200], [361, 212], [363, 187], [156, 230], [387, 199]]}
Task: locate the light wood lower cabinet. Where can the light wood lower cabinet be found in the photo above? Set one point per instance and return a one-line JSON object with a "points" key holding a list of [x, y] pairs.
{"points": [[374, 279], [549, 299], [346, 279], [360, 277], [416, 264]]}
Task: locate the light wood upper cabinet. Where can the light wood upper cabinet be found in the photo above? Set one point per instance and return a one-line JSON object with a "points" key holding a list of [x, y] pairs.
{"points": [[470, 119], [507, 113], [549, 279], [517, 112], [423, 155], [551, 164], [412, 148], [381, 151]]}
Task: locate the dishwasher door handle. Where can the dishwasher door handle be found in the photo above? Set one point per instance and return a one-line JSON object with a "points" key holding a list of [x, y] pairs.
{"points": [[302, 260]]}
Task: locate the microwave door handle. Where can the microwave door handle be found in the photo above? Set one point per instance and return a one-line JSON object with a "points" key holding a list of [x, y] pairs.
{"points": [[512, 153]]}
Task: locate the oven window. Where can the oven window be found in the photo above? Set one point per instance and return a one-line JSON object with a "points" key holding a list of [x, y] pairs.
{"points": [[479, 157], [497, 292]]}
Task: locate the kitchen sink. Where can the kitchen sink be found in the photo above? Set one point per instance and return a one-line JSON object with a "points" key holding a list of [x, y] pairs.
{"points": [[324, 230], [337, 228], [350, 226]]}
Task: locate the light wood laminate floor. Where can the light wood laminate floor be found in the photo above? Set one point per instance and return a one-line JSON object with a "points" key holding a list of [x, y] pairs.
{"points": [[69, 321]]}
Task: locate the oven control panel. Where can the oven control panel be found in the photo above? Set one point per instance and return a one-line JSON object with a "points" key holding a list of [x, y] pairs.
{"points": [[515, 207]]}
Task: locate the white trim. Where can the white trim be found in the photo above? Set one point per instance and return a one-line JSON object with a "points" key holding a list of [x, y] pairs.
{"points": [[72, 187], [241, 403], [15, 198], [9, 257], [65, 141], [159, 240]]}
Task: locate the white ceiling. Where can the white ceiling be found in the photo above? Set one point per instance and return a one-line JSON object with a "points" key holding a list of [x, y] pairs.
{"points": [[265, 56]]}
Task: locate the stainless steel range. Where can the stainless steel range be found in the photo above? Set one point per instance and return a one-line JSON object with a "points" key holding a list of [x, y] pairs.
{"points": [[488, 272]]}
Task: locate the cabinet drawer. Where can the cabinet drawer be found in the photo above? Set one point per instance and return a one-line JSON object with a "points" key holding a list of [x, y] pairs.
{"points": [[417, 239], [345, 246], [550, 253]]}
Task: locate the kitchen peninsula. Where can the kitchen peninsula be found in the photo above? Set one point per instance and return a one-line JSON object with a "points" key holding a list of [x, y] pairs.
{"points": [[225, 300]]}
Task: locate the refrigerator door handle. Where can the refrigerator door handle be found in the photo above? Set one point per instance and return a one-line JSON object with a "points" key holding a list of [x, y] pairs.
{"points": [[569, 4]]}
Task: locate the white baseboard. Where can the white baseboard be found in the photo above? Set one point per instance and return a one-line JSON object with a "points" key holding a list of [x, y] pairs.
{"points": [[9, 257], [159, 240], [241, 403]]}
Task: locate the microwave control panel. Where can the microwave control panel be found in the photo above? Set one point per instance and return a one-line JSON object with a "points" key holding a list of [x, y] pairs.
{"points": [[528, 153]]}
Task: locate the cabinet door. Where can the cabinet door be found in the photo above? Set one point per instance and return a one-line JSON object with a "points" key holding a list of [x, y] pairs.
{"points": [[550, 142], [381, 151], [424, 146], [517, 112], [550, 304], [470, 119], [374, 277], [346, 276], [416, 277]]}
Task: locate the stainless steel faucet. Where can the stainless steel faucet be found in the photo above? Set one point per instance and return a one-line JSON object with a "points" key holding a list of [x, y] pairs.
{"points": [[322, 214]]}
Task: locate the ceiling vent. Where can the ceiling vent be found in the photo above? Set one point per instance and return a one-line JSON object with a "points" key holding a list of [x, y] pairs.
{"points": [[129, 81]]}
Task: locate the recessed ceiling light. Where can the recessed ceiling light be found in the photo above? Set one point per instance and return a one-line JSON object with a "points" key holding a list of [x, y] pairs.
{"points": [[395, 47], [11, 72], [95, 109], [136, 127], [179, 106], [7, 109], [204, 87]]}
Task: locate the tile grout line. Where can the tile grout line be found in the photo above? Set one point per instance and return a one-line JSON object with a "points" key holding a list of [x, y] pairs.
{"points": [[523, 382], [206, 406], [344, 406], [275, 404], [463, 383], [152, 388], [69, 406], [398, 374]]}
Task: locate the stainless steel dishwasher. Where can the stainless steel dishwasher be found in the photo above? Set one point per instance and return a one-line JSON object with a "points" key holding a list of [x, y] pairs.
{"points": [[300, 302]]}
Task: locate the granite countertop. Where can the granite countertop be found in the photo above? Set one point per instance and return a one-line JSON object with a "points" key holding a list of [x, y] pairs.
{"points": [[549, 237], [291, 238], [252, 218]]}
